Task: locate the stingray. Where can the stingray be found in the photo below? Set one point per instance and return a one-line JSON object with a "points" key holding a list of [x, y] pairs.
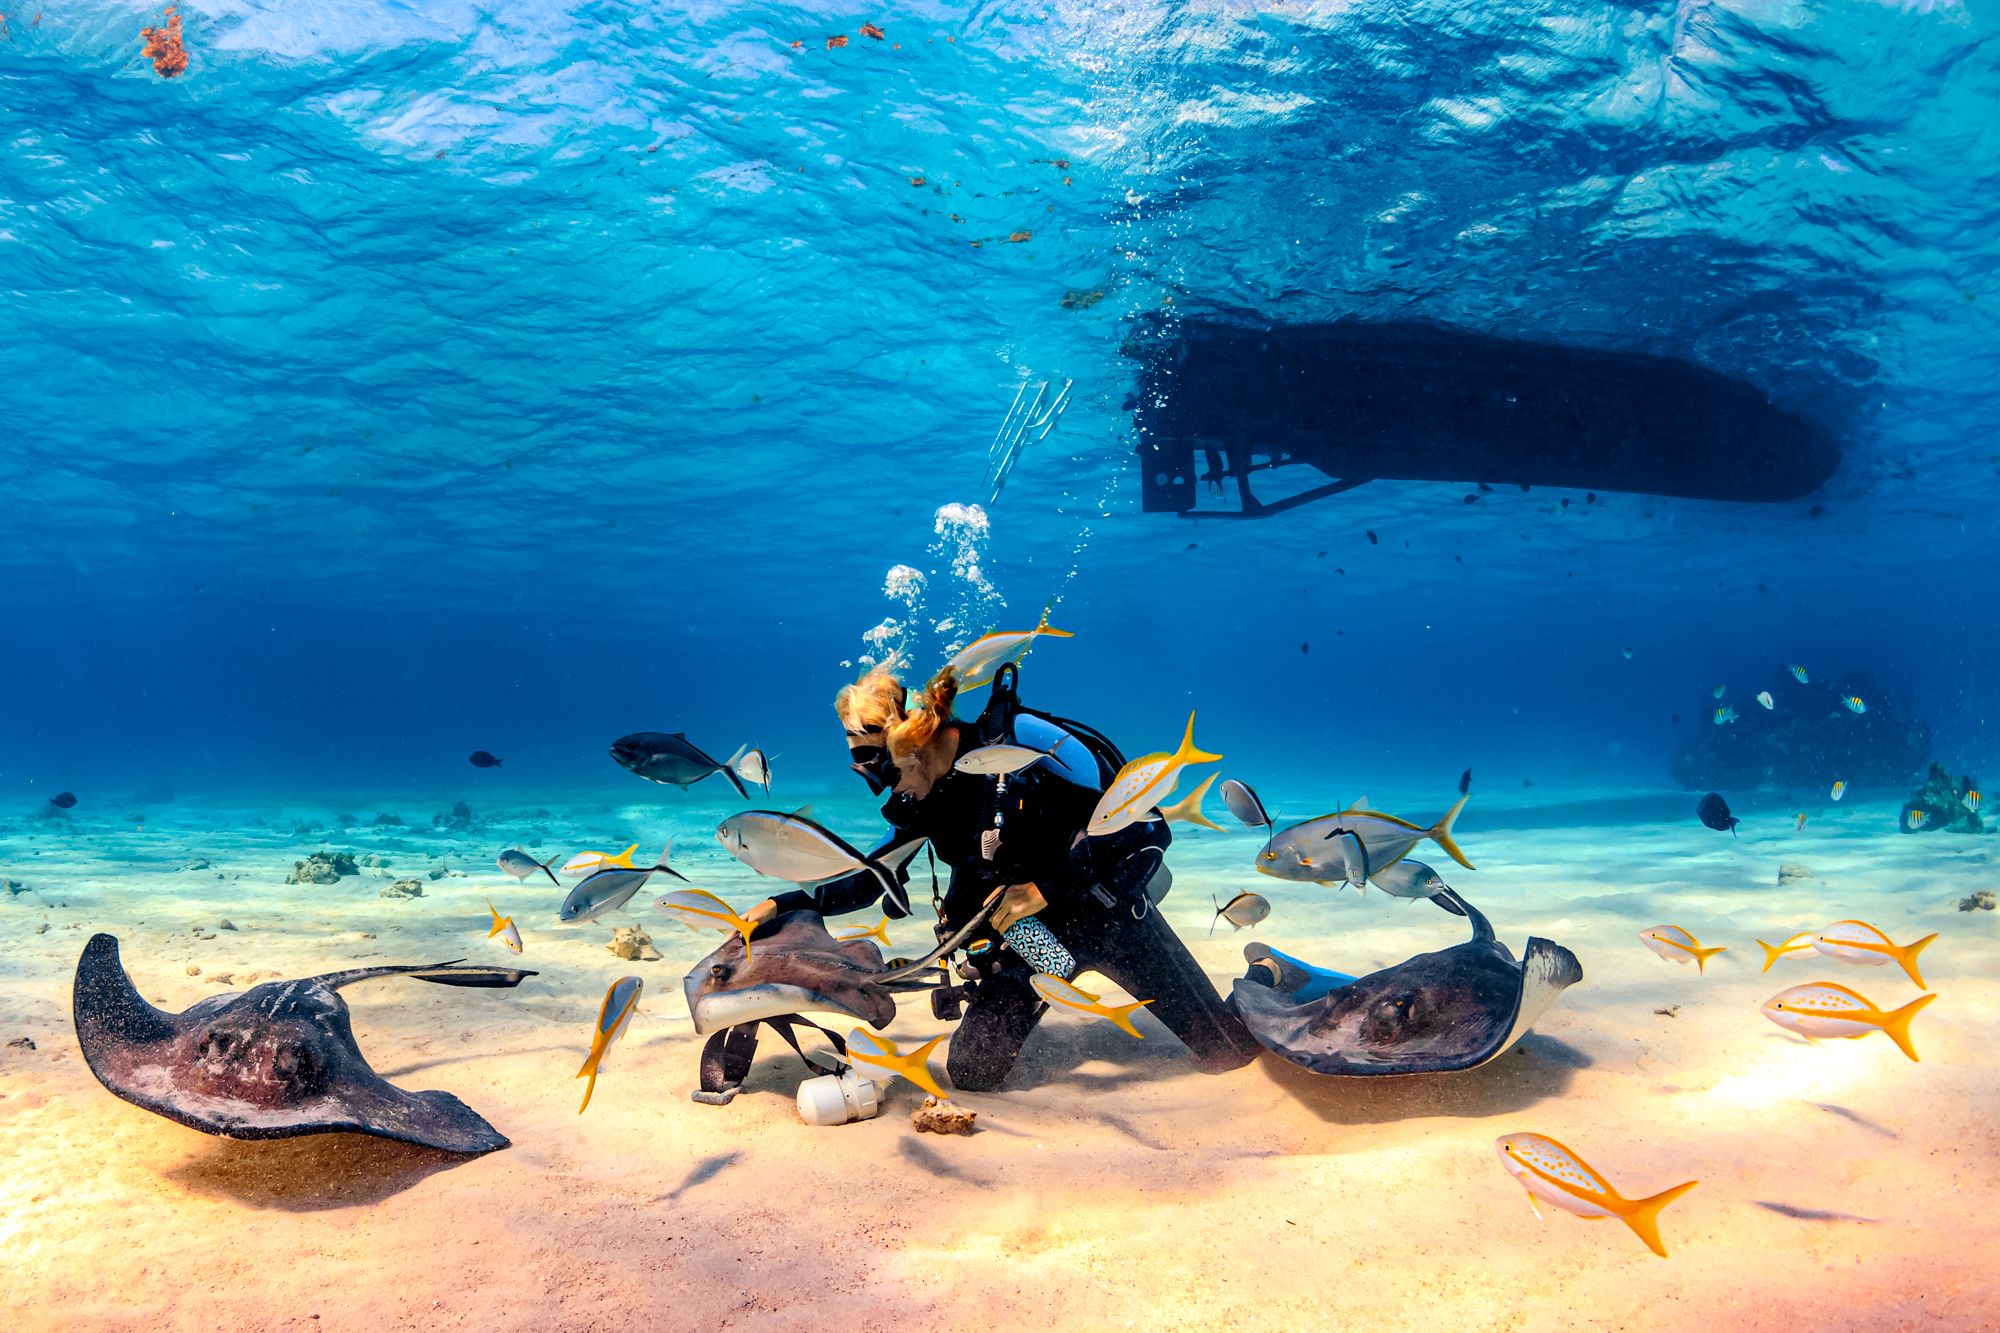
{"points": [[273, 1062], [796, 968], [1434, 1013]]}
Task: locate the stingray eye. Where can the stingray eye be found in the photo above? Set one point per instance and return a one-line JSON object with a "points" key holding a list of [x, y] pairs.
{"points": [[719, 972]]}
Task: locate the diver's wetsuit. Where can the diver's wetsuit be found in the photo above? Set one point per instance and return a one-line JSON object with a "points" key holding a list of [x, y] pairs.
{"points": [[1124, 939]]}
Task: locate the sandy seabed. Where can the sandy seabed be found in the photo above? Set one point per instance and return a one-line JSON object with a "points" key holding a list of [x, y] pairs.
{"points": [[1110, 1186]]}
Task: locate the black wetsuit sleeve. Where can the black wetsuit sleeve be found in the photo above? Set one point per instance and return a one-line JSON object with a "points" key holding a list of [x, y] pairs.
{"points": [[1039, 842], [850, 893]]}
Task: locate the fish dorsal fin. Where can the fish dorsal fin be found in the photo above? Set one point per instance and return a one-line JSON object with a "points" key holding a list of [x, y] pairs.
{"points": [[803, 812], [1360, 804]]}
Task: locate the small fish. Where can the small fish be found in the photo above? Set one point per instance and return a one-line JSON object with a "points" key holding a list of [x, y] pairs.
{"points": [[1628, 654], [1671, 1011], [1187, 810], [1245, 909], [1799, 822], [878, 931], [1972, 800], [1713, 812], [752, 766], [63, 800], [1243, 803], [583, 863], [1140, 785], [1676, 945], [1553, 1174], [1855, 704], [1825, 1009], [521, 865], [1724, 715], [481, 759], [992, 760], [698, 909], [671, 759], [1860, 943], [1916, 819], [793, 847], [1800, 943], [1799, 673], [605, 891], [1409, 879], [503, 926], [871, 31], [1465, 783], [1839, 790], [1810, 1214], [1764, 698], [1721, 690], [1056, 991], [613, 1016], [976, 663], [879, 1060]]}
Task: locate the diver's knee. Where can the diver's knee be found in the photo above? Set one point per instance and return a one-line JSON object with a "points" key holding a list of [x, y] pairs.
{"points": [[975, 1075]]}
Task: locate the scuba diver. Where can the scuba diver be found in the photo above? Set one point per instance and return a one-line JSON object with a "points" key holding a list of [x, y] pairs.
{"points": [[1055, 900]]}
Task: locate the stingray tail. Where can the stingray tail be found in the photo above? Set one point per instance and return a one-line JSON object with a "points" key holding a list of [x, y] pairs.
{"points": [[1643, 1215], [1441, 834]]}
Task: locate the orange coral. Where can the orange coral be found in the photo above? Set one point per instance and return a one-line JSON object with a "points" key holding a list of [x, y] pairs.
{"points": [[1019, 236], [833, 43], [870, 30], [163, 45]]}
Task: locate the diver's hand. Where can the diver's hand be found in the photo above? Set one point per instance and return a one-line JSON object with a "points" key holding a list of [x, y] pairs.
{"points": [[762, 912]]}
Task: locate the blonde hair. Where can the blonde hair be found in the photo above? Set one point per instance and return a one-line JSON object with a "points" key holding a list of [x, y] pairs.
{"points": [[878, 701]]}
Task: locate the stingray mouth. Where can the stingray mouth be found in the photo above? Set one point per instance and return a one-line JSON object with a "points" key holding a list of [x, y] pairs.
{"points": [[726, 1009]]}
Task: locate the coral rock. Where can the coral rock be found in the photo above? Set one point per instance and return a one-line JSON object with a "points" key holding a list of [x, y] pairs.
{"points": [[630, 942], [936, 1117], [1792, 870], [1981, 901], [405, 888]]}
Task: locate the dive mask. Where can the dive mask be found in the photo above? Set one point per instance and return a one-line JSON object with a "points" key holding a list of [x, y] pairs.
{"points": [[875, 766]]}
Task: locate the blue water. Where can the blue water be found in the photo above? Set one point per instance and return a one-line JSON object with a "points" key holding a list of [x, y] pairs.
{"points": [[406, 379]]}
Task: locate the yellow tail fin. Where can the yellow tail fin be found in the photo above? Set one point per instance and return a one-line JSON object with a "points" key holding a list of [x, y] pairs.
{"points": [[624, 858], [590, 1068], [1441, 834], [498, 924], [1897, 1023], [1643, 1215], [1907, 956], [1188, 808], [1121, 1014], [1772, 953], [916, 1067], [1701, 956], [1188, 754]]}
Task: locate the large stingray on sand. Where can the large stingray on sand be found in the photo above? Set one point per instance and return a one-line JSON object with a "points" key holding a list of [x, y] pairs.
{"points": [[1453, 1009], [273, 1062]]}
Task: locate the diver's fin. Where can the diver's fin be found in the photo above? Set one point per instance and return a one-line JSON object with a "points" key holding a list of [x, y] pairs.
{"points": [[1897, 1023], [1907, 956], [1643, 1215], [1441, 834], [1701, 956]]}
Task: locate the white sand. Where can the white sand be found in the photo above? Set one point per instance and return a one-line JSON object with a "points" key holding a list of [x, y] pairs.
{"points": [[1110, 1187]]}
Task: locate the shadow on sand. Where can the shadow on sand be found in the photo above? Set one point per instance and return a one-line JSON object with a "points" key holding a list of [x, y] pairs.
{"points": [[309, 1174]]}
